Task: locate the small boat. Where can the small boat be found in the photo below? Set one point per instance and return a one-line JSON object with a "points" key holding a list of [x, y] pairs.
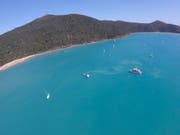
{"points": [[135, 71], [48, 96], [86, 75]]}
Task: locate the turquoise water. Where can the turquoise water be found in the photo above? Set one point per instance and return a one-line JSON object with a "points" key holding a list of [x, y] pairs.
{"points": [[110, 102]]}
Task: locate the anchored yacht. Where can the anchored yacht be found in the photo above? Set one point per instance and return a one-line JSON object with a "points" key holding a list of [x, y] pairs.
{"points": [[135, 71]]}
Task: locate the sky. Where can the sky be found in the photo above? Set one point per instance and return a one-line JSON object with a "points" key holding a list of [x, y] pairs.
{"points": [[15, 13]]}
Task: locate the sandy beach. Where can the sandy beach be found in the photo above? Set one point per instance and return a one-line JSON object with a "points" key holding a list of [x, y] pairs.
{"points": [[20, 60], [17, 61]]}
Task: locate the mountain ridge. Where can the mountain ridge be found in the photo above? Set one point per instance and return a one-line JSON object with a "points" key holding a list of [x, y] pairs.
{"points": [[56, 31]]}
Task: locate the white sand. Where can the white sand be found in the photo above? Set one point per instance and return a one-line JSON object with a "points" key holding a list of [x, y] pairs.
{"points": [[14, 62], [17, 61]]}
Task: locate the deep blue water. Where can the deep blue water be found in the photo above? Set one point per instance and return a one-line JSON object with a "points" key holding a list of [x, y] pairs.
{"points": [[110, 102]]}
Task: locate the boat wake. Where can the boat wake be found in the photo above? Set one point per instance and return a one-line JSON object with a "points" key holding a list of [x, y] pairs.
{"points": [[110, 71]]}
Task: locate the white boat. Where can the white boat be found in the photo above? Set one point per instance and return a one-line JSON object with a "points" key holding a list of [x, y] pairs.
{"points": [[86, 75], [135, 71], [48, 96]]}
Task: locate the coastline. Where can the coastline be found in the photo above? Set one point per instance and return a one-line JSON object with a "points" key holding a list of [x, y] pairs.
{"points": [[23, 59], [15, 62]]}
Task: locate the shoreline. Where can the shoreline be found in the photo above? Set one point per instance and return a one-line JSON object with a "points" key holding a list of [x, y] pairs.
{"points": [[23, 59]]}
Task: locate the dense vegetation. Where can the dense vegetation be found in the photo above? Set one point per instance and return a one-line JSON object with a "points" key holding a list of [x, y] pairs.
{"points": [[50, 31]]}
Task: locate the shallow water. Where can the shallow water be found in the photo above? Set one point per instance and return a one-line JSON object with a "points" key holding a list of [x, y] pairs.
{"points": [[110, 102]]}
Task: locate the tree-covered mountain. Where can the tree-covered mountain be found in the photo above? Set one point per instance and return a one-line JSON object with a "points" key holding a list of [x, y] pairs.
{"points": [[53, 31]]}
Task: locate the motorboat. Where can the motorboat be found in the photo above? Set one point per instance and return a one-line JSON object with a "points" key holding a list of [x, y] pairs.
{"points": [[86, 75], [135, 71], [48, 96]]}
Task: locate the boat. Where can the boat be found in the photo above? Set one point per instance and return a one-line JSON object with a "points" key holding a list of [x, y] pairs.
{"points": [[86, 75], [135, 71], [48, 96]]}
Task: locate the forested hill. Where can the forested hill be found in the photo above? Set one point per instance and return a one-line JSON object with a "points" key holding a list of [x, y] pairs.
{"points": [[53, 31]]}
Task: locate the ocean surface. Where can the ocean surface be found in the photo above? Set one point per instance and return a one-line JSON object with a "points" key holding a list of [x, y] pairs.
{"points": [[110, 102]]}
